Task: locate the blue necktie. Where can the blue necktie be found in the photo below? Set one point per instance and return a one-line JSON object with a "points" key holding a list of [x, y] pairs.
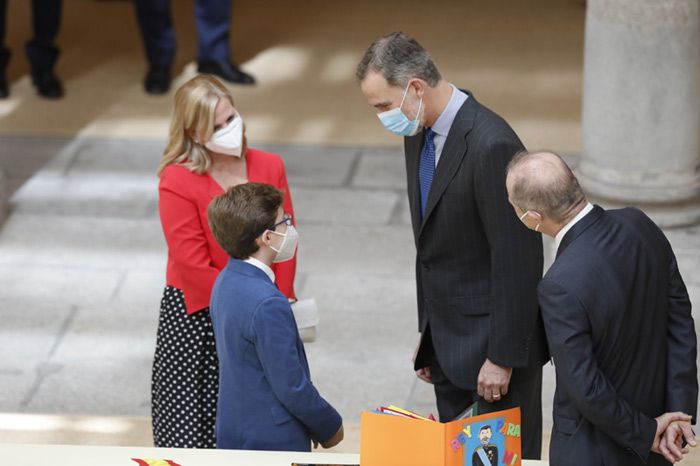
{"points": [[426, 169]]}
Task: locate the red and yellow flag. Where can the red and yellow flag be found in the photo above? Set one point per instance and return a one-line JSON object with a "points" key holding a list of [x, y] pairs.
{"points": [[149, 462]]}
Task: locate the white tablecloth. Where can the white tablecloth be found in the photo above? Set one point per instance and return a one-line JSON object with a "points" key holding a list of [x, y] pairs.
{"points": [[59, 455]]}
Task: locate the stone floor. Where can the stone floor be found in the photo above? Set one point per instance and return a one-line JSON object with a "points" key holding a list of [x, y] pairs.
{"points": [[82, 266], [522, 58]]}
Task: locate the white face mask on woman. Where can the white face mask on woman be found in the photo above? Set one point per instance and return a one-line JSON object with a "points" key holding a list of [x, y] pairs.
{"points": [[229, 139], [289, 245]]}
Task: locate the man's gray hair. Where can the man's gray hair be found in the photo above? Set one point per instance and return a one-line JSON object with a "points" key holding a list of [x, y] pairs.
{"points": [[544, 183], [399, 58]]}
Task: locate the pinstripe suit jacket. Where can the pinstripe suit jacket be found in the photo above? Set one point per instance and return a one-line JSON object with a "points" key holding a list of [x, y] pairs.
{"points": [[477, 266]]}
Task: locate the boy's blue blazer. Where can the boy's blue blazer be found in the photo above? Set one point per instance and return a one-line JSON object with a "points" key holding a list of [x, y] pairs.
{"points": [[266, 398]]}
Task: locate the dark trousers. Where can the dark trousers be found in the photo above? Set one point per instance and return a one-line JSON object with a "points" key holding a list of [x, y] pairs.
{"points": [[212, 19], [524, 391], [41, 51]]}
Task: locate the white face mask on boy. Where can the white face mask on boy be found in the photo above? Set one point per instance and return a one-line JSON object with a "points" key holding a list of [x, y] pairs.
{"points": [[289, 244]]}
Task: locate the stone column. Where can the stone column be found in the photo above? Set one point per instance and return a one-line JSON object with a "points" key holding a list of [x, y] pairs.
{"points": [[641, 107]]}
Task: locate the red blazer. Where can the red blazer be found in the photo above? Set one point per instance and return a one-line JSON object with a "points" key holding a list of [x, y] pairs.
{"points": [[194, 256]]}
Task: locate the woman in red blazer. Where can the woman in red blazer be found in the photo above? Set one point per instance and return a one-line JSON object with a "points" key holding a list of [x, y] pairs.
{"points": [[206, 154]]}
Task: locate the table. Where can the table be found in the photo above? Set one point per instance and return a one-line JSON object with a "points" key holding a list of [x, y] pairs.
{"points": [[70, 455]]}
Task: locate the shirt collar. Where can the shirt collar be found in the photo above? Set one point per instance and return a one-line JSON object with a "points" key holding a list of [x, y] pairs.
{"points": [[262, 266], [574, 221], [444, 122]]}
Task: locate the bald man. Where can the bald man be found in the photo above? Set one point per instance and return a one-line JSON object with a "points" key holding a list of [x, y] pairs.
{"points": [[618, 322]]}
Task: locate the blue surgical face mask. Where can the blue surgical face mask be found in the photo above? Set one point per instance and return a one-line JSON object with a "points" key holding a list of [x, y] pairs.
{"points": [[398, 123]]}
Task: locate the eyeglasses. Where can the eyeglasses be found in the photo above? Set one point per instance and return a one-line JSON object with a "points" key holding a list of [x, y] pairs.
{"points": [[286, 219]]}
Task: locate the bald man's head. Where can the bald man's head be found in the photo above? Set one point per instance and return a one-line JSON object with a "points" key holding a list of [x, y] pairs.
{"points": [[542, 182]]}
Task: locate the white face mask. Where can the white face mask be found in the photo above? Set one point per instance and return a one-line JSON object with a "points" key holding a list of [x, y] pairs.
{"points": [[289, 245], [537, 227], [229, 139]]}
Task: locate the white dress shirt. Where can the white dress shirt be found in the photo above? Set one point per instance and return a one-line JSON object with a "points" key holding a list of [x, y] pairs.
{"points": [[444, 122], [567, 227], [262, 266]]}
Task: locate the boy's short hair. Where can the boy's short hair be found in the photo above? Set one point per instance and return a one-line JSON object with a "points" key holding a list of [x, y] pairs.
{"points": [[241, 214]]}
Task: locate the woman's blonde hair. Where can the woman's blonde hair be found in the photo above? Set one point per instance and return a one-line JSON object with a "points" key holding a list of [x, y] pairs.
{"points": [[193, 123]]}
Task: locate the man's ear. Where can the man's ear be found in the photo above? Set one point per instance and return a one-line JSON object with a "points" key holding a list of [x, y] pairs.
{"points": [[419, 86], [536, 216]]}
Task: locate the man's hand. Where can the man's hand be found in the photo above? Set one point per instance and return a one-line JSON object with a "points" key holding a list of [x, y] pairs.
{"points": [[335, 440], [493, 381], [672, 444], [672, 441], [669, 444], [422, 373]]}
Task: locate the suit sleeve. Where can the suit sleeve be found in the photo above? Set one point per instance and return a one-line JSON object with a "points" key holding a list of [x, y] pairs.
{"points": [[516, 259], [285, 271], [569, 334], [681, 369], [185, 236], [276, 345]]}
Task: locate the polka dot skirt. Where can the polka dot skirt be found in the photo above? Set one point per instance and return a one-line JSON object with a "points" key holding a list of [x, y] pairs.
{"points": [[185, 380]]}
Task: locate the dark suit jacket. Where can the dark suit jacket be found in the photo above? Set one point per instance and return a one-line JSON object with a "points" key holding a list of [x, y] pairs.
{"points": [[622, 336], [266, 398], [477, 266]]}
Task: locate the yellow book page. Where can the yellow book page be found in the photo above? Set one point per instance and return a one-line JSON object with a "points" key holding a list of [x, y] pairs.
{"points": [[408, 413]]}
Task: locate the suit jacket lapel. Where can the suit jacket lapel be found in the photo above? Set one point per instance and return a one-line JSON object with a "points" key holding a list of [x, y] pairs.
{"points": [[580, 226], [453, 152]]}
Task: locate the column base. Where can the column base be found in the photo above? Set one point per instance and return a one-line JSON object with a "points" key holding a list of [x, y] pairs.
{"points": [[4, 192]]}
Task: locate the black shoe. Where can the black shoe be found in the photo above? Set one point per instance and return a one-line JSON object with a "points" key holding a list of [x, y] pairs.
{"points": [[4, 90], [225, 70], [157, 80], [47, 85], [4, 60]]}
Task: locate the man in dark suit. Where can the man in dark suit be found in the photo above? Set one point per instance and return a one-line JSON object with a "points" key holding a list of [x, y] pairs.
{"points": [[476, 268], [213, 21], [618, 321], [41, 49]]}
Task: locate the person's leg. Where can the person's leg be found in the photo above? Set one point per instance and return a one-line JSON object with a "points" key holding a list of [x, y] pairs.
{"points": [[451, 400], [41, 50], [159, 42], [184, 383], [524, 391], [213, 21], [4, 51]]}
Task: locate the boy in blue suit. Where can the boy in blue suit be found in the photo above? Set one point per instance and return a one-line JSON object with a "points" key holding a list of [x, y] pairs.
{"points": [[266, 398]]}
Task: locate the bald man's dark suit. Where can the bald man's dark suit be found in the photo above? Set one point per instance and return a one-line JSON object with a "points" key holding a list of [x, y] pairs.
{"points": [[477, 269], [620, 329]]}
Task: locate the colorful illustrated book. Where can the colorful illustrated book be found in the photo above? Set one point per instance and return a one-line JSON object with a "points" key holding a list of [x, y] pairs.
{"points": [[491, 439]]}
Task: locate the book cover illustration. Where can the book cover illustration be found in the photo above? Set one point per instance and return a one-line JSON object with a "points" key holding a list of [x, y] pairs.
{"points": [[484, 445], [488, 440]]}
